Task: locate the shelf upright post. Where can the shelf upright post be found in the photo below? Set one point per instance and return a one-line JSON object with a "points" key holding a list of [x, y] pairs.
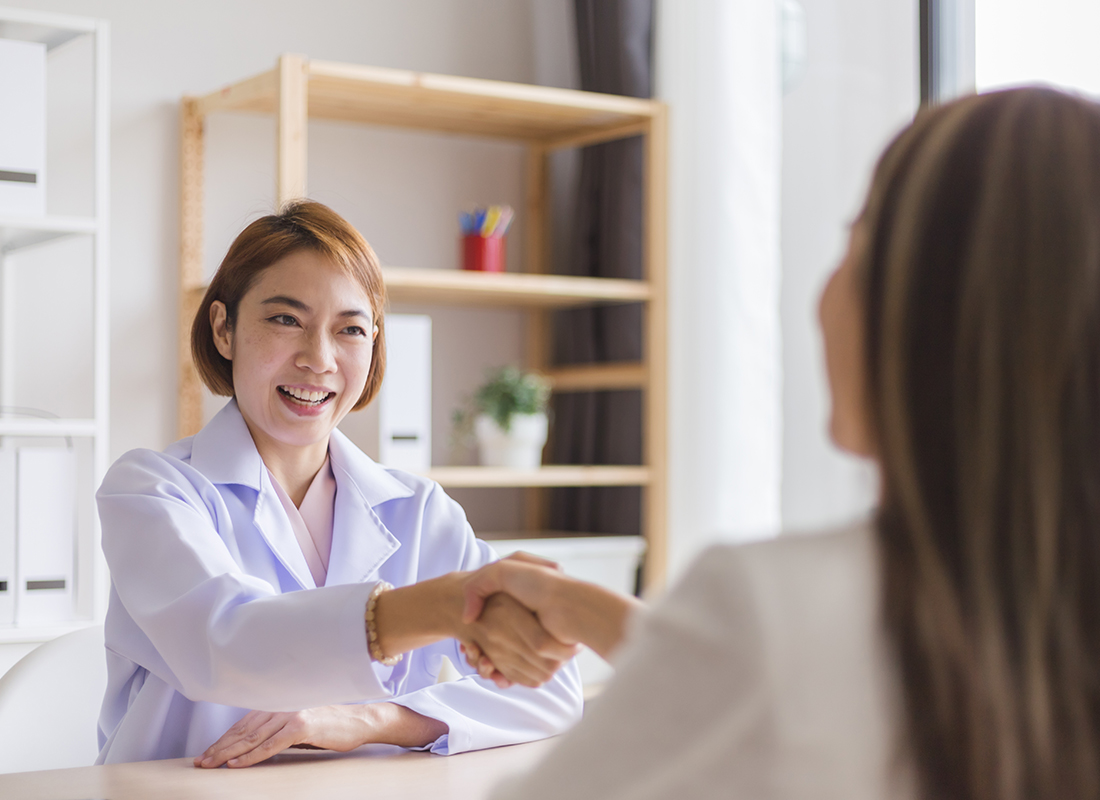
{"points": [[655, 434], [536, 260], [102, 294], [292, 122], [192, 156]]}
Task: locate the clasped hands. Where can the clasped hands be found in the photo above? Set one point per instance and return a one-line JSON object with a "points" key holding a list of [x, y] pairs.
{"points": [[517, 620]]}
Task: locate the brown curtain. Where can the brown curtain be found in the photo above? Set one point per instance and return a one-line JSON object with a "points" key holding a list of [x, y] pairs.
{"points": [[614, 40]]}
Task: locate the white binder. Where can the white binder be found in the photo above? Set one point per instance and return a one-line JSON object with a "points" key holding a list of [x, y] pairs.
{"points": [[46, 528], [7, 534], [405, 401], [23, 132]]}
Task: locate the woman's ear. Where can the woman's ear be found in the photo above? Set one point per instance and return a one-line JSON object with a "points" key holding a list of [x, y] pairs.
{"points": [[374, 333], [219, 325]]}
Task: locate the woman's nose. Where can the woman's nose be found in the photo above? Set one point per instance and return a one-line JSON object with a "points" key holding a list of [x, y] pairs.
{"points": [[318, 354]]}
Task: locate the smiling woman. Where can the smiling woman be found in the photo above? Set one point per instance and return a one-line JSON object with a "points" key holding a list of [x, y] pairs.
{"points": [[253, 564]]}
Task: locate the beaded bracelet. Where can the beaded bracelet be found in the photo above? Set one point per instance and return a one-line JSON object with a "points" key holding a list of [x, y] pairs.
{"points": [[372, 634]]}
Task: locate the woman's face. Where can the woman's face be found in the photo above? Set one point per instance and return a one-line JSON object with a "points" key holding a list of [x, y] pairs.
{"points": [[841, 315], [301, 349]]}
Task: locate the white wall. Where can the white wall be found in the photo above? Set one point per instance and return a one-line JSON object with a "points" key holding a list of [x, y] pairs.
{"points": [[860, 86]]}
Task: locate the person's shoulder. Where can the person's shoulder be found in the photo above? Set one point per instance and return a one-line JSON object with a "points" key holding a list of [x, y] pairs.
{"points": [[785, 576], [142, 466], [789, 552]]}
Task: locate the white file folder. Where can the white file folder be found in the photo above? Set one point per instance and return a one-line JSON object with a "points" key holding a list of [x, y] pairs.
{"points": [[23, 128], [7, 534], [405, 401], [46, 528]]}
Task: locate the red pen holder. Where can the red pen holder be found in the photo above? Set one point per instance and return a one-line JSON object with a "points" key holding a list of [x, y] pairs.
{"points": [[483, 253]]}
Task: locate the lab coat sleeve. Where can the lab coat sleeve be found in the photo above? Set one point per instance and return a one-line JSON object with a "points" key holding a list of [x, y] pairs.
{"points": [[687, 712], [207, 629], [477, 713]]}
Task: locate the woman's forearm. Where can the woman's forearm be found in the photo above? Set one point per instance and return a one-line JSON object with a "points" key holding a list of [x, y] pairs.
{"points": [[389, 723], [419, 614], [599, 615]]}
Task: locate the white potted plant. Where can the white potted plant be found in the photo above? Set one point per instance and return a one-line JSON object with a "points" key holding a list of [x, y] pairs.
{"points": [[509, 419]]}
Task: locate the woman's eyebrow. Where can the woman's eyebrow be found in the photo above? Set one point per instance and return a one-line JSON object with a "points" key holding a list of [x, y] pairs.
{"points": [[355, 312], [283, 300]]}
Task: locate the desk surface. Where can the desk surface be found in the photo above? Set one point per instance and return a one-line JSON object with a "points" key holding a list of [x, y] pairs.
{"points": [[375, 771]]}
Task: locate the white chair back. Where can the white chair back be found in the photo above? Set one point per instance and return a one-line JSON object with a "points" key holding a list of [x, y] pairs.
{"points": [[49, 704]]}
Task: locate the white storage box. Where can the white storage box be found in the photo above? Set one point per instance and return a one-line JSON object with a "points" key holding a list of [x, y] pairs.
{"points": [[23, 132], [610, 561], [45, 530], [405, 400]]}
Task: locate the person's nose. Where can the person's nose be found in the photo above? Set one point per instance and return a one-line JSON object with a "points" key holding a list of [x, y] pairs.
{"points": [[318, 353]]}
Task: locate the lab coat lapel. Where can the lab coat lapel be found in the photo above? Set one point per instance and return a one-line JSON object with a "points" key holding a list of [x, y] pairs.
{"points": [[271, 521], [361, 543], [225, 453]]}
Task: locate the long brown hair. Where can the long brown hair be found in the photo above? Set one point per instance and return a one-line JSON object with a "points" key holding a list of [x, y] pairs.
{"points": [[982, 280], [299, 225]]}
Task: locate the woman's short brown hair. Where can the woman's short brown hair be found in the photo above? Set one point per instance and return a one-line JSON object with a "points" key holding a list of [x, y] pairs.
{"points": [[299, 225]]}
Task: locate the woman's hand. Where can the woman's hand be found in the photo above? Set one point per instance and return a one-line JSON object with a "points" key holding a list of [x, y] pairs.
{"points": [[571, 611], [259, 735], [417, 615], [517, 646]]}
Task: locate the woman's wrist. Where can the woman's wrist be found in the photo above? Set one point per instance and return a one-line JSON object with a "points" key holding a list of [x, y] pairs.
{"points": [[419, 614], [599, 615]]}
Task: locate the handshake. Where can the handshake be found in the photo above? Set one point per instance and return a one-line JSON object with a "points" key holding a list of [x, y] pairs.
{"points": [[527, 618], [517, 620]]}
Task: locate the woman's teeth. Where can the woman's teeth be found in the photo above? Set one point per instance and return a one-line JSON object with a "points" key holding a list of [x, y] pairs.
{"points": [[312, 398]]}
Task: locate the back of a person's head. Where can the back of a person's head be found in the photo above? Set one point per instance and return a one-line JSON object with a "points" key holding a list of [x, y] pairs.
{"points": [[982, 298]]}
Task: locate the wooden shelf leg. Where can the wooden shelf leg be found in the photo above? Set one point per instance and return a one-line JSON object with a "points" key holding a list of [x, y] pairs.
{"points": [[189, 417], [655, 441], [536, 239], [292, 123]]}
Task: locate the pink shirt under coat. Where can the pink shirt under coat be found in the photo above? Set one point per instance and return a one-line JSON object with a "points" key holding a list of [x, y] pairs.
{"points": [[312, 521]]}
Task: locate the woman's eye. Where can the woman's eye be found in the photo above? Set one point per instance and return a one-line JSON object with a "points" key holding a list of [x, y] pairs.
{"points": [[284, 319], [355, 330]]}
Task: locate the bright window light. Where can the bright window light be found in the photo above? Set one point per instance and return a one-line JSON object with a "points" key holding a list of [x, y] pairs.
{"points": [[1037, 41]]}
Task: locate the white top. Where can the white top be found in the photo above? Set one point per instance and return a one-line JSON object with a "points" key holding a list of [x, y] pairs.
{"points": [[762, 674], [312, 521]]}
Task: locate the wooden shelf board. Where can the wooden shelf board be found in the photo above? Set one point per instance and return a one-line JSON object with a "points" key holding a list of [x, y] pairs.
{"points": [[47, 427], [454, 286], [597, 377], [446, 103], [553, 475], [18, 232]]}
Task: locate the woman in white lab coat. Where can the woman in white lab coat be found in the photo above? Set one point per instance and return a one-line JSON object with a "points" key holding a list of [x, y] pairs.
{"points": [[948, 648], [252, 564]]}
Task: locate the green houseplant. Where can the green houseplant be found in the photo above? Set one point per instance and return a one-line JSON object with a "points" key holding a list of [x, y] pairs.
{"points": [[508, 417]]}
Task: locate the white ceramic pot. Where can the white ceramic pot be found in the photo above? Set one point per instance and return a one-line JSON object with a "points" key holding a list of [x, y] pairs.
{"points": [[518, 448]]}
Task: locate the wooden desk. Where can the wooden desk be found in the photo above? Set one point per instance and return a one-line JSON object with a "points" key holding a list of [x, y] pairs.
{"points": [[377, 772]]}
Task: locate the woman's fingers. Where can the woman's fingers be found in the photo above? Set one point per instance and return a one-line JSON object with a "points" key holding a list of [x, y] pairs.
{"points": [[279, 741], [525, 577], [256, 737], [511, 637], [252, 730], [531, 558], [483, 583]]}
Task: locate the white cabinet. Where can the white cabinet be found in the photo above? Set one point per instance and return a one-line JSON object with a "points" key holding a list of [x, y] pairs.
{"points": [[54, 387]]}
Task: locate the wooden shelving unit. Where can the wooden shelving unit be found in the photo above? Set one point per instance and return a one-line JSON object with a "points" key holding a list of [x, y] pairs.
{"points": [[544, 119]]}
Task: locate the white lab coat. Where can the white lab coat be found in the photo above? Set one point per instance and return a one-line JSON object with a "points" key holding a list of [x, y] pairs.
{"points": [[213, 611]]}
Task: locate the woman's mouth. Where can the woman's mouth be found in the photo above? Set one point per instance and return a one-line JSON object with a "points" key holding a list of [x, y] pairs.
{"points": [[304, 397]]}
